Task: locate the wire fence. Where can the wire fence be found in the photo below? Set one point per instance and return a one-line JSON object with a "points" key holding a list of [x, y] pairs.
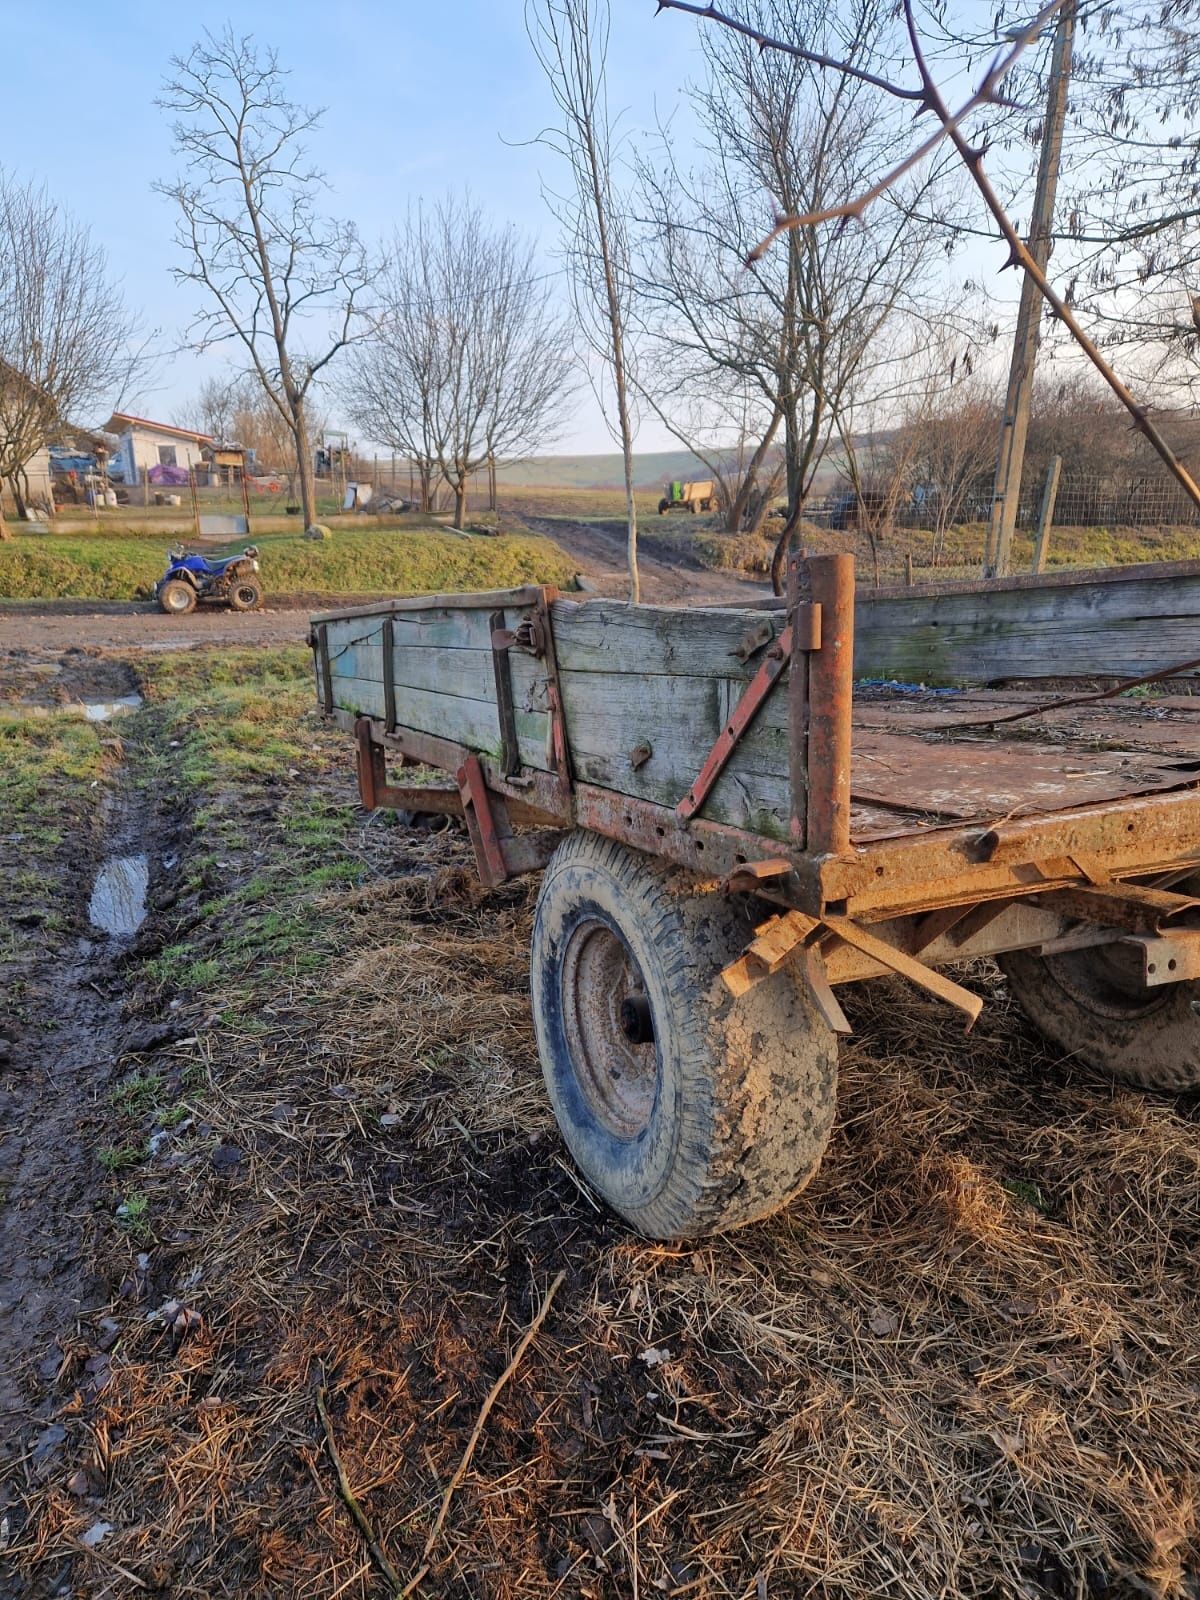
{"points": [[1081, 502], [379, 485]]}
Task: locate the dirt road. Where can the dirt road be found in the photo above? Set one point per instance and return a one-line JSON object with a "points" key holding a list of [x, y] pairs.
{"points": [[57, 625], [667, 575]]}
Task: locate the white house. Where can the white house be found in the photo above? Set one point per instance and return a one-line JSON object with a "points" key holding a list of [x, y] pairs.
{"points": [[34, 484], [145, 444]]}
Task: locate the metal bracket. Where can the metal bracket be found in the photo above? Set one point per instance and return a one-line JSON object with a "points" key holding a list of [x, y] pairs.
{"points": [[1170, 957], [749, 876], [499, 854], [481, 824], [377, 793], [775, 664], [915, 971]]}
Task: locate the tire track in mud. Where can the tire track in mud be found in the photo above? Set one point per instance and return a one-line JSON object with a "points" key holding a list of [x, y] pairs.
{"points": [[67, 1018]]}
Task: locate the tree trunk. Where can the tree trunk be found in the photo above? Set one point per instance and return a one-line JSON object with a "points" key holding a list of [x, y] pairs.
{"points": [[737, 510], [631, 549], [5, 530], [460, 501], [304, 464]]}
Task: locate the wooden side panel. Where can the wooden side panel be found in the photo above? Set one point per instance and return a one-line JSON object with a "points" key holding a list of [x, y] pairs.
{"points": [[1081, 629], [443, 677], [664, 679]]}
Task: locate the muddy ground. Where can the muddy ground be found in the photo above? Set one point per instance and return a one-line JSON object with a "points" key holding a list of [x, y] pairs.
{"points": [[288, 1140]]}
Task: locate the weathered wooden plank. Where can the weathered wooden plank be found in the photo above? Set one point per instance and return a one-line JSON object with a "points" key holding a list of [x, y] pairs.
{"points": [[468, 722], [489, 600], [445, 627], [610, 715], [611, 636], [1065, 630], [463, 674], [1062, 578]]}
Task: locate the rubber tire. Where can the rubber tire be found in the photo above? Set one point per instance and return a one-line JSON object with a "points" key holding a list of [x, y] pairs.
{"points": [[1157, 1047], [173, 587], [241, 587], [745, 1091]]}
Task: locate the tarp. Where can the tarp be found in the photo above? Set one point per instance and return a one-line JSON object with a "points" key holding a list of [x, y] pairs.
{"points": [[175, 476]]}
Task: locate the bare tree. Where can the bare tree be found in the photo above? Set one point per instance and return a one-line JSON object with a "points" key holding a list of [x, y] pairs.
{"points": [[947, 443], [927, 97], [237, 410], [66, 339], [802, 325], [570, 39], [251, 232], [467, 361]]}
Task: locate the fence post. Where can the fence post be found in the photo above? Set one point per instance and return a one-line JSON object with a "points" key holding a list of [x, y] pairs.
{"points": [[1046, 514]]}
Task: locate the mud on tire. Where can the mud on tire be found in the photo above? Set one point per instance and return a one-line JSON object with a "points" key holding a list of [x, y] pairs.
{"points": [[245, 594], [688, 1111], [176, 597], [1090, 1003]]}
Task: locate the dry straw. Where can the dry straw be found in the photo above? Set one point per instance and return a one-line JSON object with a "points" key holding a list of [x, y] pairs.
{"points": [[964, 1363]]}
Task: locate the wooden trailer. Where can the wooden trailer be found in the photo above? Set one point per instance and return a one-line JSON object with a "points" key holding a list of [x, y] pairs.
{"points": [[739, 810]]}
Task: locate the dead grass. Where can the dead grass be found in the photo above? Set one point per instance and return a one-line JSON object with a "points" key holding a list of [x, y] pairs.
{"points": [[965, 1362]]}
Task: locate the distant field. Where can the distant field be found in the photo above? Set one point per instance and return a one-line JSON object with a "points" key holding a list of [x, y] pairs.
{"points": [[547, 501], [651, 469], [124, 565]]}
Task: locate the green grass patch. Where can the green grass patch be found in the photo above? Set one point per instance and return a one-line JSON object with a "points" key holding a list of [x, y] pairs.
{"points": [[238, 731], [119, 1158], [125, 565]]}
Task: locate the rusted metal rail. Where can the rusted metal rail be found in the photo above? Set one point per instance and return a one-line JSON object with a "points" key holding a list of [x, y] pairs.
{"points": [[906, 903]]}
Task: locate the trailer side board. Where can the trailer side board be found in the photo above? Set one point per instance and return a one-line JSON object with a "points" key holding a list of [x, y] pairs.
{"points": [[1118, 622], [442, 675]]}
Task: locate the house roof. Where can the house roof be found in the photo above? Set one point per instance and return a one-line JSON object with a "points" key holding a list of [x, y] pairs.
{"points": [[122, 422]]}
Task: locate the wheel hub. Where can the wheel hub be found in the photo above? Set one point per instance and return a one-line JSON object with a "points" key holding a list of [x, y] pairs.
{"points": [[636, 1022], [610, 1028]]}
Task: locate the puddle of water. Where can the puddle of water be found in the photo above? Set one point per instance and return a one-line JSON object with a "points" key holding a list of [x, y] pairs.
{"points": [[118, 903], [105, 710]]}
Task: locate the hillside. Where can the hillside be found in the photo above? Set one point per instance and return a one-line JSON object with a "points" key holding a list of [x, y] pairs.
{"points": [[651, 468]]}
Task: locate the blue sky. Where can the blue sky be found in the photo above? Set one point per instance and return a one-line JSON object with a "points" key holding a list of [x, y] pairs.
{"points": [[420, 98]]}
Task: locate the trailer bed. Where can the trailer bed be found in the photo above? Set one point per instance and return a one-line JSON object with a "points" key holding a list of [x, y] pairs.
{"points": [[924, 760], [833, 821]]}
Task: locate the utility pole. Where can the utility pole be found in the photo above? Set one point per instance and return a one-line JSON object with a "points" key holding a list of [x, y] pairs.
{"points": [[1014, 427]]}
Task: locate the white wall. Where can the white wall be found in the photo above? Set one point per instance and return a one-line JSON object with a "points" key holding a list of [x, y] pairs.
{"points": [[143, 443], [37, 473]]}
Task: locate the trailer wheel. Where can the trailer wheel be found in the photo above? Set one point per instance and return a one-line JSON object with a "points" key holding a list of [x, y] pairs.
{"points": [[1091, 1003], [176, 597], [688, 1111]]}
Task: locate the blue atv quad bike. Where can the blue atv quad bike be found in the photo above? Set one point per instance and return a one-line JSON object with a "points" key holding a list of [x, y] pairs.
{"points": [[231, 580]]}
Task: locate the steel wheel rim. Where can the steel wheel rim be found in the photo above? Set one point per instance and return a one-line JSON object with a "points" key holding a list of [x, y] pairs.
{"points": [[604, 1006], [177, 600], [246, 595]]}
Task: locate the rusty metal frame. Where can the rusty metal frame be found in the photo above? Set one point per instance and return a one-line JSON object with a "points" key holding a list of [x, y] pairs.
{"points": [[908, 903], [481, 824]]}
